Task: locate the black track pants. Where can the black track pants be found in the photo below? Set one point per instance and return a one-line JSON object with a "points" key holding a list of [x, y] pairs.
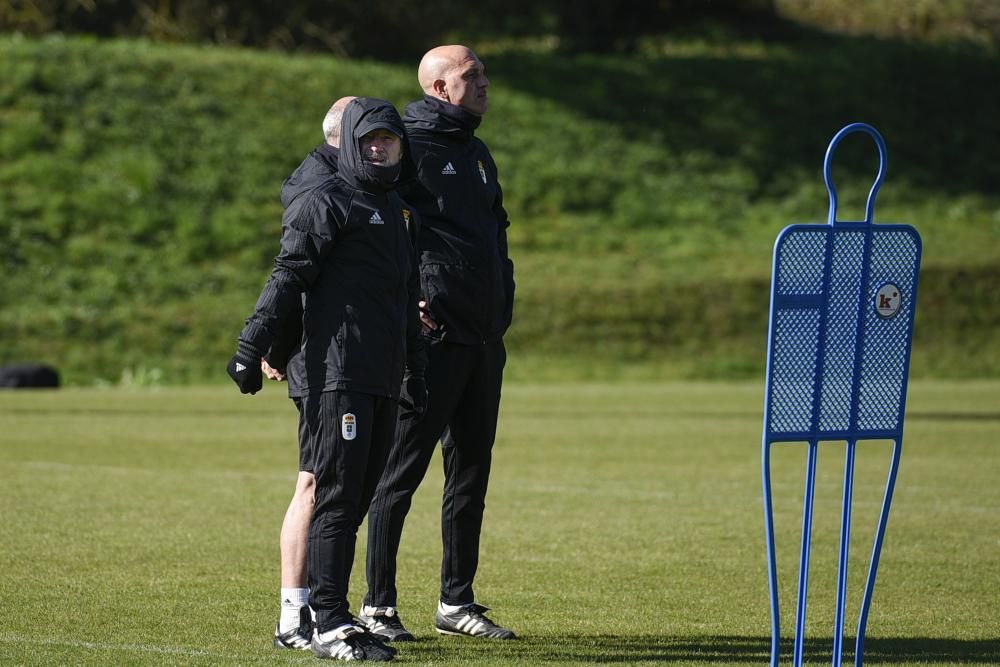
{"points": [[463, 385], [351, 437]]}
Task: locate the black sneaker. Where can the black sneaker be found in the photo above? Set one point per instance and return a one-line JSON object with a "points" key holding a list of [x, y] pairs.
{"points": [[470, 622], [384, 623], [352, 643], [296, 638]]}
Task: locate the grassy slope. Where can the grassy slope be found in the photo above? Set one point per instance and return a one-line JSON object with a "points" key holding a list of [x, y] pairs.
{"points": [[716, 146], [624, 523], [139, 213]]}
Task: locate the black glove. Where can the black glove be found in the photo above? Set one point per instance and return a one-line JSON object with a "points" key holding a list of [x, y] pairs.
{"points": [[244, 368], [413, 393]]}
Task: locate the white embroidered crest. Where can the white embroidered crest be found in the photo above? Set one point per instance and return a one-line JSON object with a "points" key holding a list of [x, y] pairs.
{"points": [[348, 426]]}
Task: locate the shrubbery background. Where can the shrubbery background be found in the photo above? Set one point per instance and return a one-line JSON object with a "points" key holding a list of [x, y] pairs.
{"points": [[139, 184]]}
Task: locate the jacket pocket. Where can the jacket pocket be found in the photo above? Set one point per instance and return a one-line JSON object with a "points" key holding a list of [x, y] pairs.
{"points": [[455, 297]]}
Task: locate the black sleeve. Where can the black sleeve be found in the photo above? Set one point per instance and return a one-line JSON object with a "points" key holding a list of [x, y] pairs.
{"points": [[308, 230], [416, 353], [288, 340], [508, 266]]}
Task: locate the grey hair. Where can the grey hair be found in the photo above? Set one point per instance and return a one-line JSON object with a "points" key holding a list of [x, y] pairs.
{"points": [[331, 125]]}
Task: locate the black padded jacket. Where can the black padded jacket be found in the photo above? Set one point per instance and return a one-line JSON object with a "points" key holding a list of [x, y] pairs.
{"points": [[466, 274], [347, 257]]}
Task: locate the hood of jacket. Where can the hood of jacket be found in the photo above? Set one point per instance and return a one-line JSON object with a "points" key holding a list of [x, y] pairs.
{"points": [[361, 116], [319, 166], [433, 115]]}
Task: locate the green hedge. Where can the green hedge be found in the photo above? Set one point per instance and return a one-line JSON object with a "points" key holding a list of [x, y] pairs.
{"points": [[139, 184]]}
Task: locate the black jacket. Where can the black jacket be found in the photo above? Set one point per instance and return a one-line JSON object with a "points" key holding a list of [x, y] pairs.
{"points": [[320, 165], [466, 274], [347, 251]]}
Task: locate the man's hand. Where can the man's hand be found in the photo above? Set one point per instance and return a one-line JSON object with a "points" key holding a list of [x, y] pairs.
{"points": [[245, 369], [426, 321], [414, 392], [270, 372]]}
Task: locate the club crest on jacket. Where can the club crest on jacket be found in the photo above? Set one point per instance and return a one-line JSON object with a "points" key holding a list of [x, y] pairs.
{"points": [[348, 427]]}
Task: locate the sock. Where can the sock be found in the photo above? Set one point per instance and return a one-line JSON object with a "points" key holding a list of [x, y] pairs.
{"points": [[449, 608], [292, 599]]}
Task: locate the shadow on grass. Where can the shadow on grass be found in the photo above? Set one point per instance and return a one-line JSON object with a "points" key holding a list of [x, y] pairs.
{"points": [[726, 649]]}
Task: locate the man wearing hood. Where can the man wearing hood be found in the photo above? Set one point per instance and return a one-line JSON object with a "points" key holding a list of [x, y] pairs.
{"points": [[467, 280], [283, 361], [347, 254]]}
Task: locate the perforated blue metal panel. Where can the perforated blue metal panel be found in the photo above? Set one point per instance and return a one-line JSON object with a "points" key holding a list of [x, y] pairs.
{"points": [[800, 261], [842, 310], [885, 356], [794, 363], [830, 348], [841, 327]]}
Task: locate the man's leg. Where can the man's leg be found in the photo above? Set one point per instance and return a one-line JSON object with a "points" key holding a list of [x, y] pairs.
{"points": [[383, 621], [415, 438], [467, 450], [383, 429], [383, 434], [295, 622], [342, 436], [345, 425], [467, 454], [295, 532]]}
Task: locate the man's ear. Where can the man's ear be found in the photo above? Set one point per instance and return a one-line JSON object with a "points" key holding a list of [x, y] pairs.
{"points": [[441, 89]]}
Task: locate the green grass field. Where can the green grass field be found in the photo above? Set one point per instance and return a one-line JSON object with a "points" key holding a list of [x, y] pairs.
{"points": [[624, 524]]}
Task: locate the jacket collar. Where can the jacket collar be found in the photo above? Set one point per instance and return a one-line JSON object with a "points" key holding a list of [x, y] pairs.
{"points": [[440, 117]]}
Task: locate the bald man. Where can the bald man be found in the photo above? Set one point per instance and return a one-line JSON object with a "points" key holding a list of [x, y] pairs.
{"points": [[467, 284], [294, 629]]}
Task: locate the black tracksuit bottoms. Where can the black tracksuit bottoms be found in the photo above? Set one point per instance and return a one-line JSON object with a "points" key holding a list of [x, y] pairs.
{"points": [[463, 402], [350, 434]]}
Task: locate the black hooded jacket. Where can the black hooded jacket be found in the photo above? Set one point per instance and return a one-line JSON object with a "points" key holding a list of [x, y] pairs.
{"points": [[465, 269], [319, 166], [347, 254]]}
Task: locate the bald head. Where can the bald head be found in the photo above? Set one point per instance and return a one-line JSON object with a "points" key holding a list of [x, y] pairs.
{"points": [[331, 123], [454, 74]]}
